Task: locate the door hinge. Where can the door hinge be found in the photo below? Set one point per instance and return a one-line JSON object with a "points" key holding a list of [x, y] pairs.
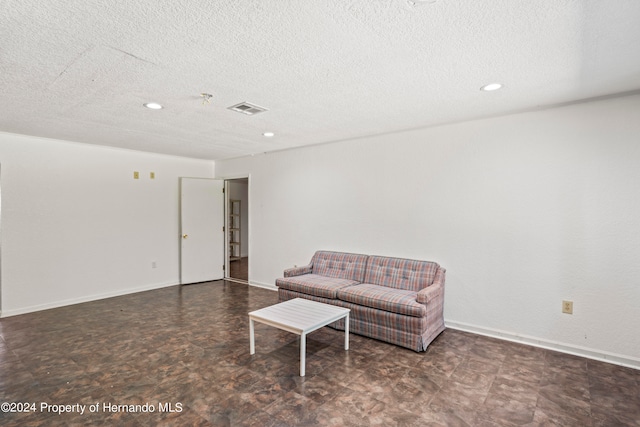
{"points": [[224, 267], [222, 190], [223, 228]]}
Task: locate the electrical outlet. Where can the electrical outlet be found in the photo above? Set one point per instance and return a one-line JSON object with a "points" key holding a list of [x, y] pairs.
{"points": [[136, 175], [152, 175], [153, 264], [567, 307]]}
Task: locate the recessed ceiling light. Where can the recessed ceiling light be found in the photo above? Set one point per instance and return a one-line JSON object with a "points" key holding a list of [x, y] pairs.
{"points": [[153, 105], [268, 134], [490, 87]]}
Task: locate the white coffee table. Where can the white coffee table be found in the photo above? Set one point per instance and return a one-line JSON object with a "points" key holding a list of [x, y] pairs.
{"points": [[300, 316]]}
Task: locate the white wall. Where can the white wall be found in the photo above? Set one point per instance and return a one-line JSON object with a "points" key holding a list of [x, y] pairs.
{"points": [[523, 211], [76, 226]]}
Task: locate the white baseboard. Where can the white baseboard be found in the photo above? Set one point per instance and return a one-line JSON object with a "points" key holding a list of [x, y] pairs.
{"points": [[603, 356], [80, 300], [268, 286], [240, 281]]}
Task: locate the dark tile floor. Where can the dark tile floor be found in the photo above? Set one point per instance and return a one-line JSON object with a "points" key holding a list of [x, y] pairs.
{"points": [[187, 349], [239, 269]]}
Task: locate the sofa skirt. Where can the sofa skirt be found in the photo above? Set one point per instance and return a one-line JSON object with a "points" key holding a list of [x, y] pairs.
{"points": [[415, 333]]}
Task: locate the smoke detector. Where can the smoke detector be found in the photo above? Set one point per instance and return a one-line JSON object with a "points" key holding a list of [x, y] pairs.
{"points": [[247, 108], [206, 98]]}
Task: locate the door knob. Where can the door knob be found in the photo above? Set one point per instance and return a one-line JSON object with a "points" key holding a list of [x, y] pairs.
{"points": [[184, 236]]}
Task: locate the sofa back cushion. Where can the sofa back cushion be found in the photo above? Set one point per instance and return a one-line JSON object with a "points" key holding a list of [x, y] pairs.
{"points": [[400, 273], [339, 264]]}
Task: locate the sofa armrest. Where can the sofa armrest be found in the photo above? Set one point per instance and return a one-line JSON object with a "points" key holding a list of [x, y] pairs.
{"points": [[433, 291], [298, 271]]}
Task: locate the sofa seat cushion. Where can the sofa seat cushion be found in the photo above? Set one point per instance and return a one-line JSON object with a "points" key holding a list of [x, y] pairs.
{"points": [[315, 284], [384, 298]]}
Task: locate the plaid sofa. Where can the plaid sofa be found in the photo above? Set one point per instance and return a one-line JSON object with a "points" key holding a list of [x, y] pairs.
{"points": [[396, 300]]}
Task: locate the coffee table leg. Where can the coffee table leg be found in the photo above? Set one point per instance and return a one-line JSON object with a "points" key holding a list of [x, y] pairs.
{"points": [[252, 338], [346, 332], [303, 351]]}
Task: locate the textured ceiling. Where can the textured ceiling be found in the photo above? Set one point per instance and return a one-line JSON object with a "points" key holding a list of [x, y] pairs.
{"points": [[327, 70]]}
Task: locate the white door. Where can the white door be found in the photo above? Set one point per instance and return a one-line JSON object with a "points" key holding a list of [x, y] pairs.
{"points": [[202, 235]]}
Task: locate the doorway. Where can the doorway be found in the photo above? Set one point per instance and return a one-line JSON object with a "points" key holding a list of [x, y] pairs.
{"points": [[237, 229]]}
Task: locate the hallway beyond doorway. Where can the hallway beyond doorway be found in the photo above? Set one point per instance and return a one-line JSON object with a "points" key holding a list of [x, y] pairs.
{"points": [[237, 229], [239, 269]]}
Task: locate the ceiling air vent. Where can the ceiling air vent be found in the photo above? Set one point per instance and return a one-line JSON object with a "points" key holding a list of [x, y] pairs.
{"points": [[246, 108]]}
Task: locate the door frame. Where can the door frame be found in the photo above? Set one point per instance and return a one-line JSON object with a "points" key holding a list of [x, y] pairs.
{"points": [[227, 268]]}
